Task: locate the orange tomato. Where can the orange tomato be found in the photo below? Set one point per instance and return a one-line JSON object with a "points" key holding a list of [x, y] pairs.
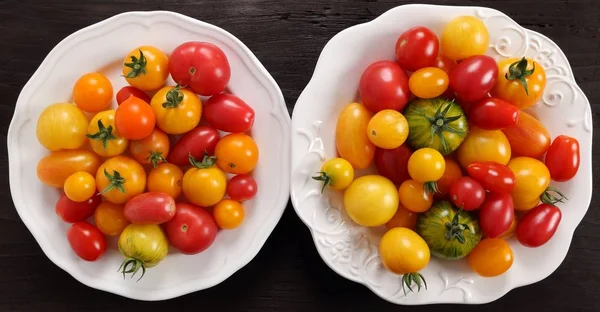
{"points": [[178, 110], [484, 145], [93, 92], [451, 174], [414, 197], [166, 178], [236, 153], [528, 137], [110, 219], [228, 214], [351, 139], [204, 184], [146, 68], [428, 82], [152, 149], [134, 119], [491, 257], [54, 169], [120, 178], [80, 186], [519, 83], [403, 218]]}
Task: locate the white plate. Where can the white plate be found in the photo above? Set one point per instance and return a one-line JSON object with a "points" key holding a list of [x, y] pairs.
{"points": [[351, 250], [103, 46]]}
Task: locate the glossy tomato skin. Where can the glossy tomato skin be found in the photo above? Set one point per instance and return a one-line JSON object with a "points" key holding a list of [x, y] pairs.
{"points": [[484, 145], [192, 229], [165, 178], [384, 85], [178, 110], [473, 78], [130, 170], [452, 173], [336, 174], [493, 176], [493, 114], [538, 225], [387, 129], [497, 214], [110, 219], [71, 211], [86, 241], [228, 214], [134, 119], [513, 90], [417, 48], [61, 126], [528, 137], [237, 153], [201, 66], [55, 168], [351, 139], [151, 150], [150, 208], [393, 163], [92, 92], [403, 251], [562, 158], [467, 193], [204, 185], [491, 257], [228, 113], [196, 142], [367, 192], [242, 187], [115, 144], [531, 180], [151, 76], [444, 63], [428, 82], [129, 91], [464, 36], [413, 196]]}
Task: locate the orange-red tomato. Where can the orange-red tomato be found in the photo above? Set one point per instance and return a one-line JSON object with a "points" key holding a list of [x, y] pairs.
{"points": [[351, 139], [134, 119], [236, 153], [54, 169], [451, 175], [93, 92], [521, 87], [166, 178], [153, 149], [528, 137]]}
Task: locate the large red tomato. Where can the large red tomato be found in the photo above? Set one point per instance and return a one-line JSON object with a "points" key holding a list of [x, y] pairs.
{"points": [[200, 66], [192, 229], [384, 85]]}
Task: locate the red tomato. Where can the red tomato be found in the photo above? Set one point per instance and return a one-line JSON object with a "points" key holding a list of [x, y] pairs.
{"points": [[444, 63], [134, 119], [228, 113], [466, 193], [473, 78], [393, 164], [384, 85], [71, 211], [562, 158], [493, 176], [200, 66], [493, 114], [150, 208], [192, 230], [242, 187], [86, 240], [497, 214], [196, 142], [417, 48], [538, 225], [128, 91]]}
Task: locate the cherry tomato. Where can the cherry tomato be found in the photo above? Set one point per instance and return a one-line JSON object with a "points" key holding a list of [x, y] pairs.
{"points": [[336, 173], [146, 68], [134, 119], [92, 92], [444, 63], [464, 36], [150, 208], [520, 82], [484, 145], [473, 78], [562, 158], [528, 137], [71, 211], [236, 153], [493, 176], [531, 181], [192, 229], [491, 257], [228, 113], [352, 123], [466, 193], [128, 91], [61, 126], [493, 114], [242, 187], [384, 85], [178, 110], [153, 149], [403, 218], [417, 48], [201, 66], [428, 82], [54, 169], [105, 139], [414, 197], [204, 184], [393, 163], [86, 241], [80, 186], [110, 219], [165, 178], [538, 225], [451, 174], [367, 192], [497, 214], [196, 142], [387, 129], [229, 214], [426, 165], [120, 178]]}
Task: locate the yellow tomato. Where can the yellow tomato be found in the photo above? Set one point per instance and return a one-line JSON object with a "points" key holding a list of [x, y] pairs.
{"points": [[371, 200], [204, 184], [414, 196], [143, 246], [532, 177], [80, 186], [61, 126], [387, 129], [229, 214], [402, 251], [484, 145], [105, 139], [428, 82], [403, 218], [165, 178], [491, 257], [426, 165], [336, 173], [120, 178], [464, 36], [351, 140], [146, 68], [110, 219], [178, 110]]}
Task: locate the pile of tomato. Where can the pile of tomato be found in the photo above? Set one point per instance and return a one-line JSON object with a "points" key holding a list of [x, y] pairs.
{"points": [[165, 168], [461, 166]]}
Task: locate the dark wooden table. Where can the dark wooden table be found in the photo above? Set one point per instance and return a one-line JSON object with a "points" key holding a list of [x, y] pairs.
{"points": [[287, 275]]}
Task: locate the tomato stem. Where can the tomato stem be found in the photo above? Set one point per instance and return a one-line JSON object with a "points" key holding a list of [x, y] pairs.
{"points": [[551, 199], [174, 97], [417, 278], [455, 229], [132, 265], [137, 65], [207, 161], [518, 71], [431, 187], [440, 123], [155, 158], [115, 180], [104, 133], [322, 176]]}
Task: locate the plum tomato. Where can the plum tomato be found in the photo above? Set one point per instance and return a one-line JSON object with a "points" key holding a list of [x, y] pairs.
{"points": [[351, 140], [493, 176], [562, 158], [200, 140], [416, 48], [71, 211], [493, 114], [384, 85], [192, 229], [538, 225], [393, 163], [242, 187], [86, 241], [228, 113], [528, 137], [92, 92], [497, 214], [467, 193], [54, 169], [129, 91], [150, 208], [473, 78], [428, 82]]}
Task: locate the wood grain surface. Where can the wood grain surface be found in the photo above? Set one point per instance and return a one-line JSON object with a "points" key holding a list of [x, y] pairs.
{"points": [[287, 275]]}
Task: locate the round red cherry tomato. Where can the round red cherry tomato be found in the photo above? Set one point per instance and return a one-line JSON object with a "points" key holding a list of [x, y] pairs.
{"points": [[417, 48], [71, 211], [228, 113], [150, 208], [200, 66], [493, 176], [466, 193], [493, 114], [86, 240], [128, 91], [497, 214], [393, 163], [562, 158], [384, 85], [242, 187], [538, 225], [196, 142], [192, 230], [473, 78]]}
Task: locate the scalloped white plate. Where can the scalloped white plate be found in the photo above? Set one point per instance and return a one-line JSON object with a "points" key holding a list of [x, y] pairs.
{"points": [[103, 46], [351, 250]]}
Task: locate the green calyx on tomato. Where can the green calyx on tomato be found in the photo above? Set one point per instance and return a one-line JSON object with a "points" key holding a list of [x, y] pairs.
{"points": [[207, 161], [132, 265], [549, 198], [115, 180], [431, 187], [518, 71], [454, 229], [417, 278], [104, 134], [326, 179], [174, 97], [155, 158], [137, 65]]}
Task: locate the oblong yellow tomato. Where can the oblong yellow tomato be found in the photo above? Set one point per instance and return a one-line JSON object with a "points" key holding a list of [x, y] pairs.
{"points": [[532, 177], [54, 169], [464, 36], [428, 82], [484, 145], [336, 173], [178, 110], [404, 252], [104, 137], [62, 126], [351, 140], [146, 68], [371, 200], [204, 184], [120, 178], [388, 129]]}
